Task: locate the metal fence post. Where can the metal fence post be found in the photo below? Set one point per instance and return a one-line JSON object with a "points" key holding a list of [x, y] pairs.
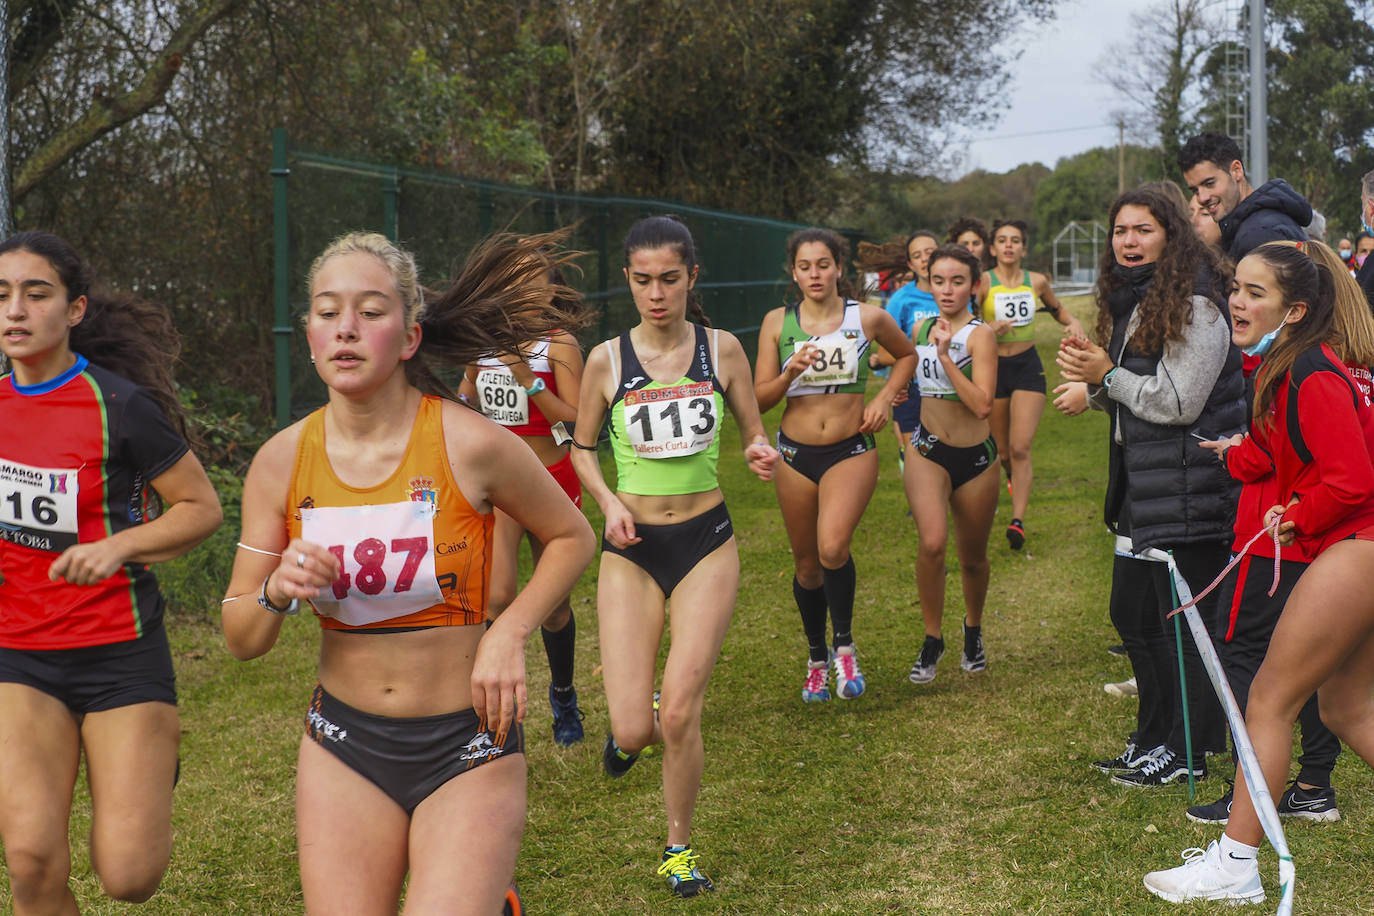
{"points": [[391, 195], [281, 279]]}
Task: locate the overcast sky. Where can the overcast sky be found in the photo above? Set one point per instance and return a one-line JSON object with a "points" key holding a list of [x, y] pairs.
{"points": [[1056, 104]]}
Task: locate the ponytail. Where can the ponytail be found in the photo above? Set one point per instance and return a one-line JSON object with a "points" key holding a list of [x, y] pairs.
{"points": [[669, 231], [130, 337], [1299, 279]]}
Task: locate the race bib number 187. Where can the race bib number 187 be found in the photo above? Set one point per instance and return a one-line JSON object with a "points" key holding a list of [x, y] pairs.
{"points": [[38, 506]]}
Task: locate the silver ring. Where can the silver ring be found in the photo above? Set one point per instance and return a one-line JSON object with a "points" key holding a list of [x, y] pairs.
{"points": [[300, 560]]}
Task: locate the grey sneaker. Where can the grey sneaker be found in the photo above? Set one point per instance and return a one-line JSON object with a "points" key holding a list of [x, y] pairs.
{"points": [[923, 672]]}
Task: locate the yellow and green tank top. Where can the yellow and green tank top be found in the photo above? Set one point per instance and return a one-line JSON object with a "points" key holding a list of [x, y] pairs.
{"points": [[664, 435], [1017, 304]]}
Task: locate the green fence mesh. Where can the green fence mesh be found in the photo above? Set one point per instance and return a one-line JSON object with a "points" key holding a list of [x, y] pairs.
{"points": [[440, 218]]}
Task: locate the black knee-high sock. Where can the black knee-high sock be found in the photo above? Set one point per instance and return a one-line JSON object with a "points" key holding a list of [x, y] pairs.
{"points": [[839, 594], [558, 646], [811, 603]]}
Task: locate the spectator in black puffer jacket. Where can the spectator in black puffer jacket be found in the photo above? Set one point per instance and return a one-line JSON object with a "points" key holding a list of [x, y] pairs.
{"points": [[1248, 217]]}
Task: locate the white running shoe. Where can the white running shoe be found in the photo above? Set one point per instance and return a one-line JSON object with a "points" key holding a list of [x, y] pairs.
{"points": [[1122, 689], [849, 680], [815, 689], [1204, 876]]}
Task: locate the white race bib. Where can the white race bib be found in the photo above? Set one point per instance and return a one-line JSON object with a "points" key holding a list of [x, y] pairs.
{"points": [[1017, 307], [838, 363], [673, 421], [38, 506], [502, 398], [387, 555], [930, 372]]}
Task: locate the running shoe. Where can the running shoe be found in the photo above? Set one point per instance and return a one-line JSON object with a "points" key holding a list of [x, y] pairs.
{"points": [[1124, 689], [1205, 876], [1016, 531], [849, 680], [679, 866], [1132, 758], [815, 689], [1218, 812], [1160, 770], [513, 906], [974, 659], [923, 672], [567, 718], [615, 761], [1118, 650], [1309, 804]]}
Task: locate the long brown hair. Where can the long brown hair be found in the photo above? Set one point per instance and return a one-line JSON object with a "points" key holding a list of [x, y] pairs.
{"points": [[497, 301], [1299, 279], [1352, 323], [131, 337], [1167, 306], [839, 251]]}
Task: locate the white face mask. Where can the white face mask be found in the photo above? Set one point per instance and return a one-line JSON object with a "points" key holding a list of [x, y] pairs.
{"points": [[1344, 253]]}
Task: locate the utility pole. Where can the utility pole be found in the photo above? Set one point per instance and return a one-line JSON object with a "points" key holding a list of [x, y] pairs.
{"points": [[1259, 100], [1120, 154], [6, 219]]}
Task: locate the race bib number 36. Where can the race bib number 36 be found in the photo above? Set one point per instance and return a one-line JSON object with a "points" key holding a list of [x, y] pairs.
{"points": [[838, 363], [1017, 307], [38, 506], [503, 398], [387, 556], [673, 421]]}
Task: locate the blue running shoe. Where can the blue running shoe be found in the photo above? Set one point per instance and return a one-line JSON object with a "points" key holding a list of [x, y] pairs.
{"points": [[615, 761], [567, 718], [815, 690], [679, 866]]}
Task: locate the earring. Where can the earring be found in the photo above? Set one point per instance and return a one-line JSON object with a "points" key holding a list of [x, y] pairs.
{"points": [[312, 359]]}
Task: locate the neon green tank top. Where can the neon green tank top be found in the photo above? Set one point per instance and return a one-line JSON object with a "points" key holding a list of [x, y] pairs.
{"points": [[664, 436], [1016, 304]]}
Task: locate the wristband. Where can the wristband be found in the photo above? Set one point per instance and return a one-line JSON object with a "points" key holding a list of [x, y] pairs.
{"points": [[537, 387], [1107, 379], [266, 602]]}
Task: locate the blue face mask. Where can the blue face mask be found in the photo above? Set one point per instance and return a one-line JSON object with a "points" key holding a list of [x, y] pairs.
{"points": [[1261, 346]]}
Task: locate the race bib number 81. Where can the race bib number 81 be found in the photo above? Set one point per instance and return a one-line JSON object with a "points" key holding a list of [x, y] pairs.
{"points": [[1017, 307], [38, 506], [838, 363], [672, 421]]}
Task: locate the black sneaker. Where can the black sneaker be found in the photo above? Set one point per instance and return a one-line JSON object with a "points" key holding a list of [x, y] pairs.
{"points": [[1309, 804], [1159, 770], [923, 672], [1118, 649], [679, 866], [1132, 758], [615, 761], [974, 658], [1016, 534], [567, 718], [1218, 812]]}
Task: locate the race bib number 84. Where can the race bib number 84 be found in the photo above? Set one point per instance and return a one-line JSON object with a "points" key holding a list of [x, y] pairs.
{"points": [[38, 506], [838, 363], [673, 421]]}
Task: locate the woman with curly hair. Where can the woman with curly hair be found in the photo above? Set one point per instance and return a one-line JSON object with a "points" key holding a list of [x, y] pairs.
{"points": [[972, 233], [1164, 369]]}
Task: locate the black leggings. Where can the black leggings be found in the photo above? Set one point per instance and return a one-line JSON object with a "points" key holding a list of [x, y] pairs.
{"points": [[1141, 598]]}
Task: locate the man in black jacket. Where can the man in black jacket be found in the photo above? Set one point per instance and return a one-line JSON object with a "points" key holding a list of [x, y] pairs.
{"points": [[1248, 216], [1365, 277]]}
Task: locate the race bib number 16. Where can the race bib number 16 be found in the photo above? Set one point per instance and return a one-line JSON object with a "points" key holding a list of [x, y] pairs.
{"points": [[38, 506]]}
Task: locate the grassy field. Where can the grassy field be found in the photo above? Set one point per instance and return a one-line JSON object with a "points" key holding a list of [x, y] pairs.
{"points": [[971, 795]]}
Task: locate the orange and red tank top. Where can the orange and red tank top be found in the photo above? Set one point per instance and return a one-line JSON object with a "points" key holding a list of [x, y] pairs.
{"points": [[413, 550]]}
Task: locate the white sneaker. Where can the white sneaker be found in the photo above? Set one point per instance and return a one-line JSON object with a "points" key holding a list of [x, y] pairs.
{"points": [[1204, 876], [1122, 688], [849, 680]]}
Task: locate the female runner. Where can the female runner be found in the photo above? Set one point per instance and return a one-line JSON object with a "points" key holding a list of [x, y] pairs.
{"points": [[1011, 298], [668, 534], [530, 394], [972, 233], [909, 306], [380, 506], [953, 458], [1315, 428], [84, 659], [813, 354]]}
